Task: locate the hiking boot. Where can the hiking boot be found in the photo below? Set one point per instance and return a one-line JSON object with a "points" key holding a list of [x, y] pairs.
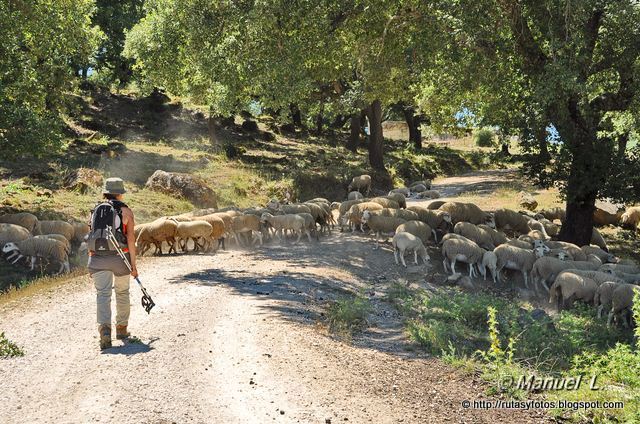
{"points": [[105, 336], [121, 332]]}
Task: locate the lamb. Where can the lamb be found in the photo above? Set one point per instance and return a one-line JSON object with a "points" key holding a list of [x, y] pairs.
{"points": [[281, 223], [605, 257], [402, 190], [630, 217], [429, 194], [604, 296], [472, 232], [382, 225], [515, 258], [417, 228], [461, 250], [507, 219], [397, 197], [574, 250], [355, 195], [193, 230], [40, 248], [489, 261], [12, 233], [359, 183], [569, 287], [156, 232], [497, 238], [598, 240], [57, 227], [23, 219], [467, 212], [407, 241], [354, 216], [629, 269], [553, 213], [248, 224], [436, 219], [621, 304], [385, 202]]}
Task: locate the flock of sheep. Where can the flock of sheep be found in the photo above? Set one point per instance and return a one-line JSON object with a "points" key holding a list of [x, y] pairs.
{"points": [[489, 243]]}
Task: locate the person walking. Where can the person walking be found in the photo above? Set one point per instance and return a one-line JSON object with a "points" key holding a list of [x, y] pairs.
{"points": [[107, 269]]}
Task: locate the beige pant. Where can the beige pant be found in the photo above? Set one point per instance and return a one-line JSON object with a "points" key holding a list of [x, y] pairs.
{"points": [[105, 281]]}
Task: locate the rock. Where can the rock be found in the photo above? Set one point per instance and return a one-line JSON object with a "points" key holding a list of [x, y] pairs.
{"points": [[527, 201], [83, 180], [249, 125], [44, 192], [187, 186]]}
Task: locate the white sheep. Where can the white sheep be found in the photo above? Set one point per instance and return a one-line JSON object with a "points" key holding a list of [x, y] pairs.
{"points": [[40, 248], [23, 219], [621, 304], [490, 262], [569, 287], [553, 213], [603, 298], [617, 267], [405, 214], [57, 227], [354, 215], [497, 237], [250, 224], [436, 219], [359, 183], [156, 232], [598, 240], [417, 228], [403, 242], [382, 225], [516, 258], [59, 237], [574, 250], [605, 257], [625, 276], [12, 233], [468, 212], [630, 217], [463, 250], [281, 223], [507, 219], [398, 198], [194, 230], [355, 195], [472, 232], [402, 190], [428, 194], [385, 202]]}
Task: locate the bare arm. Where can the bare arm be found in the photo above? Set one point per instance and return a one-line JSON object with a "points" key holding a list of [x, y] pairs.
{"points": [[128, 220]]}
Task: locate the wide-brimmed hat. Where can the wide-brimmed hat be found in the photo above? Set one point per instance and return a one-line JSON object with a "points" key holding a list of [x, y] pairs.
{"points": [[113, 186]]}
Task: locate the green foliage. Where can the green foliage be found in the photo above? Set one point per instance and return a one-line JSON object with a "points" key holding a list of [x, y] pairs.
{"points": [[348, 315], [8, 349], [41, 42], [115, 18], [484, 137]]}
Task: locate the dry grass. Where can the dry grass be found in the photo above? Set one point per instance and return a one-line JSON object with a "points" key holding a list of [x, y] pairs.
{"points": [[43, 285]]}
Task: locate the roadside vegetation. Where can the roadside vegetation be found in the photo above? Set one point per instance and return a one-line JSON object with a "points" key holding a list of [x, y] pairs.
{"points": [[501, 338]]}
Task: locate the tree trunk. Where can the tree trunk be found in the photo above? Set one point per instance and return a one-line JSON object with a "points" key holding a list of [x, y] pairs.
{"points": [[541, 136], [413, 122], [376, 139], [505, 149], [622, 145], [354, 134], [339, 121], [85, 72], [578, 223], [211, 126], [296, 116], [319, 119]]}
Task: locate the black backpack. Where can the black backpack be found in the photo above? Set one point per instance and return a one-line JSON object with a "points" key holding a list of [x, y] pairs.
{"points": [[106, 214]]}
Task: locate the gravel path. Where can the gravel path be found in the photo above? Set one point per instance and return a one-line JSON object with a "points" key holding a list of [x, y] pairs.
{"points": [[235, 337]]}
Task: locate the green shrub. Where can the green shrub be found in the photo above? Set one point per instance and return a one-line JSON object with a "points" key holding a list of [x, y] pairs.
{"points": [[26, 132], [8, 349], [484, 137], [348, 315]]}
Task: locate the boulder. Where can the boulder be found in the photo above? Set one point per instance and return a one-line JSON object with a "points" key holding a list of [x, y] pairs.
{"points": [[187, 186], [83, 180]]}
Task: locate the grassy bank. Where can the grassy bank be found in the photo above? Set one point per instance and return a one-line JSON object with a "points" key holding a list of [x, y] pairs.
{"points": [[502, 339]]}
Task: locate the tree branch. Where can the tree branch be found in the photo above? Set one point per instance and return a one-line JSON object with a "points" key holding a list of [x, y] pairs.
{"points": [[526, 45]]}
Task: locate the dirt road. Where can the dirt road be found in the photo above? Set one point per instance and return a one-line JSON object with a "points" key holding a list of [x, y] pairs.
{"points": [[234, 338]]}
